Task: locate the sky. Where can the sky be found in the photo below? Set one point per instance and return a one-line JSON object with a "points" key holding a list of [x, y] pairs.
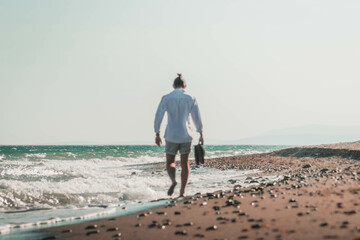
{"points": [[95, 71]]}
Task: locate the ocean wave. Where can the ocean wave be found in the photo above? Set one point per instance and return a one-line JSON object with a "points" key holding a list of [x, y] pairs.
{"points": [[35, 155], [107, 186], [71, 180]]}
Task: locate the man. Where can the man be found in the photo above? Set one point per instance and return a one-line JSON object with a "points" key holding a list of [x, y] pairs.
{"points": [[179, 105]]}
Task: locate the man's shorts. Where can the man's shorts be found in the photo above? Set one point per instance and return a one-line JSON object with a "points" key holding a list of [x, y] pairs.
{"points": [[173, 148]]}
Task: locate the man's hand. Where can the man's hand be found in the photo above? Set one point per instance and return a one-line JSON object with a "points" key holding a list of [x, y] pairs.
{"points": [[201, 139], [158, 140]]}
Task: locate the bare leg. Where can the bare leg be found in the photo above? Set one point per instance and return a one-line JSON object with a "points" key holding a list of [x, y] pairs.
{"points": [[184, 173], [170, 168]]}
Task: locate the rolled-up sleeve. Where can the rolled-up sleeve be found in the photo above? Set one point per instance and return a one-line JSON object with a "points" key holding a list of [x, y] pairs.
{"points": [[195, 115], [159, 116]]}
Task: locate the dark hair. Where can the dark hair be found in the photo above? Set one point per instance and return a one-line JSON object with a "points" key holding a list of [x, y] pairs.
{"points": [[179, 81]]}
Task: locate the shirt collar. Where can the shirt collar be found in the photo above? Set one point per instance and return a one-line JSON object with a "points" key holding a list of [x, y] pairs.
{"points": [[179, 89]]}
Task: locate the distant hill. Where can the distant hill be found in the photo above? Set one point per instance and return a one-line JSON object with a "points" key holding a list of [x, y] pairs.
{"points": [[304, 135]]}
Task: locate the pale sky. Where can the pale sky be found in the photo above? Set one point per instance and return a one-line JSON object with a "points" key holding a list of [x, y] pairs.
{"points": [[95, 71]]}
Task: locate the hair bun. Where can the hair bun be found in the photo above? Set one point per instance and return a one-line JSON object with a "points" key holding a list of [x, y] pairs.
{"points": [[179, 74]]}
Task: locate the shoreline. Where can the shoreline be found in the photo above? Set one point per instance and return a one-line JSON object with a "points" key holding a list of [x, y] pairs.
{"points": [[318, 198], [18, 230]]}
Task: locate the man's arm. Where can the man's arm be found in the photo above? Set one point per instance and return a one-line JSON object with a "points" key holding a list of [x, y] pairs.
{"points": [[158, 119], [195, 115]]}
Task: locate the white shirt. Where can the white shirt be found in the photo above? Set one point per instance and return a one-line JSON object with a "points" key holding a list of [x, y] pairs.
{"points": [[179, 105]]}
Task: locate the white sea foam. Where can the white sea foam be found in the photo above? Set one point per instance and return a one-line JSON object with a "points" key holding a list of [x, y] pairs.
{"points": [[36, 155], [2, 156], [29, 171], [70, 154], [95, 181], [91, 181]]}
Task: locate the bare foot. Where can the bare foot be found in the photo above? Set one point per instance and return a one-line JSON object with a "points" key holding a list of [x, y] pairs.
{"points": [[182, 193], [171, 189]]}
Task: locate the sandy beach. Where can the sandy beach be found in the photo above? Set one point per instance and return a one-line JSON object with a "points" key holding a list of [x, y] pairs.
{"points": [[316, 198]]}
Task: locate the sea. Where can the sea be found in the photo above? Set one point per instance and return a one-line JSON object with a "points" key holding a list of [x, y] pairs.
{"points": [[45, 185]]}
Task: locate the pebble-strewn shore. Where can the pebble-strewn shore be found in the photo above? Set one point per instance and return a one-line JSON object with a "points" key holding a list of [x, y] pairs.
{"points": [[318, 197]]}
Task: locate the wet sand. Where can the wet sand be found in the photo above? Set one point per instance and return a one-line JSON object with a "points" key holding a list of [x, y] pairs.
{"points": [[318, 197]]}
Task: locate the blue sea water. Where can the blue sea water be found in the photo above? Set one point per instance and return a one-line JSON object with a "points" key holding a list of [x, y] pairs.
{"points": [[46, 184]]}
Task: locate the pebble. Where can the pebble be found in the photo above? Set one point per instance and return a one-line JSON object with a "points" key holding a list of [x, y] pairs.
{"points": [[92, 232], [183, 232], [161, 213], [67, 231], [112, 229], [199, 235], [256, 226], [91, 227], [166, 222], [237, 187], [154, 224], [117, 235], [216, 208], [214, 227], [177, 213], [307, 166], [324, 224], [350, 212], [232, 181]]}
